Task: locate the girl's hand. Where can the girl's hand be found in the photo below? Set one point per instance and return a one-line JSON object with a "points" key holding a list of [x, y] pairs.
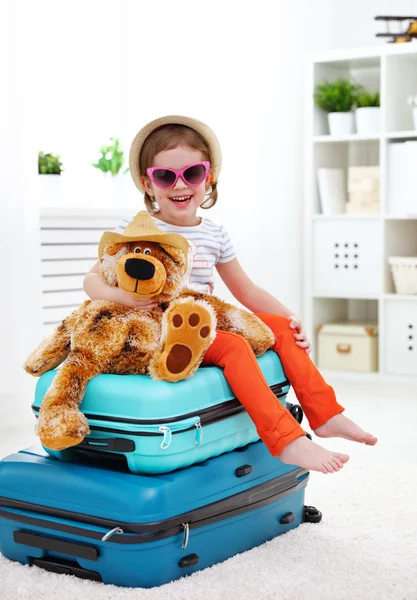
{"points": [[300, 336], [140, 303]]}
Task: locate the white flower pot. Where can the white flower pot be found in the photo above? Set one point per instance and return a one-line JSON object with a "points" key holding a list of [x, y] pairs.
{"points": [[368, 120], [50, 190], [341, 123], [415, 116]]}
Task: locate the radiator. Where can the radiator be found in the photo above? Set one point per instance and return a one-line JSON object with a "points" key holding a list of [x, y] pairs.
{"points": [[69, 241]]}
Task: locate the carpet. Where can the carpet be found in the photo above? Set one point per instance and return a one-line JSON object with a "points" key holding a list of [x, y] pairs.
{"points": [[364, 548]]}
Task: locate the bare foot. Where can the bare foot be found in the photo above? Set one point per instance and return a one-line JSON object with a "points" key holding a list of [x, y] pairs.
{"points": [[305, 453], [341, 426]]}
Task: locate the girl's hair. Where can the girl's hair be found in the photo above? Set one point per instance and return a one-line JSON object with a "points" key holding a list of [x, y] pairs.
{"points": [[168, 137]]}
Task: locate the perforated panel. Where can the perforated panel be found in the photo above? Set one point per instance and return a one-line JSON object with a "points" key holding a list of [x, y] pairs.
{"points": [[347, 258], [401, 337]]}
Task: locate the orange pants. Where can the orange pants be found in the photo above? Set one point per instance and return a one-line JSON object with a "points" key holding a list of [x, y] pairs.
{"points": [[275, 425]]}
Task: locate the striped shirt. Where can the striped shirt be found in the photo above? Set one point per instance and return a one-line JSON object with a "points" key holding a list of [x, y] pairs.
{"points": [[209, 245]]}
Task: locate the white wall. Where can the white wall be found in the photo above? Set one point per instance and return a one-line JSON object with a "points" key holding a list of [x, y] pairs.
{"points": [[83, 71]]}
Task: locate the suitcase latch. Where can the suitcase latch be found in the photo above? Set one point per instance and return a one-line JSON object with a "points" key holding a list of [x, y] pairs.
{"points": [[186, 535], [166, 442], [198, 433], [109, 534]]}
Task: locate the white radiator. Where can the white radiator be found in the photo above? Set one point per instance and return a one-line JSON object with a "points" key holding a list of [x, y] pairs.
{"points": [[69, 242]]}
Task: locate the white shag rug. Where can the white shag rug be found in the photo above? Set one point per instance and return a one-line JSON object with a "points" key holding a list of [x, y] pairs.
{"points": [[364, 548]]}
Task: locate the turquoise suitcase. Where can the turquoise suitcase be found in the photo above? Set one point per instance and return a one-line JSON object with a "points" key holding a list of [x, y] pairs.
{"points": [[106, 524], [158, 426]]}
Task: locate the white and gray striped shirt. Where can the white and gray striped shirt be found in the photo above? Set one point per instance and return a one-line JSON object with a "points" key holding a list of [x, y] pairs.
{"points": [[209, 244]]}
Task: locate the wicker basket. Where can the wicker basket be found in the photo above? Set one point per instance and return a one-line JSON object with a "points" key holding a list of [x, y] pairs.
{"points": [[404, 272]]}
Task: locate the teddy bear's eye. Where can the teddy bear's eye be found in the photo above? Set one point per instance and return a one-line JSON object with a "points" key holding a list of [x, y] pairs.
{"points": [[137, 250], [147, 251]]}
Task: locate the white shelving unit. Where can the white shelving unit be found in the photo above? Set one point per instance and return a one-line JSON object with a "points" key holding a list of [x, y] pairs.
{"points": [[347, 276]]}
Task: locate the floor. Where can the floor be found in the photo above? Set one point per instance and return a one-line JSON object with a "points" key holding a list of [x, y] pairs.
{"points": [[364, 547]]}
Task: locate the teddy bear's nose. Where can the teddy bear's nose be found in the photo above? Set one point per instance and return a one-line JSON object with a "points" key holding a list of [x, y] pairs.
{"points": [[138, 268]]}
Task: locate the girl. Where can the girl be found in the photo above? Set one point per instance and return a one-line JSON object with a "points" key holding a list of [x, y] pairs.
{"points": [[175, 162]]}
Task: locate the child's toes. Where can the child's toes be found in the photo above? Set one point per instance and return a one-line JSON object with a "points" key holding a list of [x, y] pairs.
{"points": [[337, 463], [369, 439], [343, 457]]}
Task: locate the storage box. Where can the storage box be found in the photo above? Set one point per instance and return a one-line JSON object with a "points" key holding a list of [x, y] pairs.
{"points": [[357, 205], [401, 162], [348, 347], [404, 273], [400, 349], [363, 188], [347, 258]]}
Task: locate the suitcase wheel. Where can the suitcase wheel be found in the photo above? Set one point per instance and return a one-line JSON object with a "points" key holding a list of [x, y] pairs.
{"points": [[311, 515], [296, 411]]}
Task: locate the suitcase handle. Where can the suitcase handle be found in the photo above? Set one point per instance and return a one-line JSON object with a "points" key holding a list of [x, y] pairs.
{"points": [[114, 444], [66, 567], [36, 540]]}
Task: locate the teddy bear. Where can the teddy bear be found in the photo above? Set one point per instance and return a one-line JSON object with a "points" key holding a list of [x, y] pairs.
{"points": [[167, 342]]}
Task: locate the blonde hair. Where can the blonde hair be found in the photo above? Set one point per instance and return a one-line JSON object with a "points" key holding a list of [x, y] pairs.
{"points": [[168, 137]]}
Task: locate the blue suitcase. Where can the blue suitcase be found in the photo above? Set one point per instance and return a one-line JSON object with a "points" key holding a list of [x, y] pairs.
{"points": [[160, 426], [140, 530]]}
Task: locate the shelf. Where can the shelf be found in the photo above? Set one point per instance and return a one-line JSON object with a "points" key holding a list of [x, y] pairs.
{"points": [[401, 135], [341, 296], [346, 216], [359, 217], [366, 294], [412, 297], [401, 218], [353, 137]]}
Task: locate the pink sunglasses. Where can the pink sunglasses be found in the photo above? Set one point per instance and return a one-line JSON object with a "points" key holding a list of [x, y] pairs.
{"points": [[165, 178]]}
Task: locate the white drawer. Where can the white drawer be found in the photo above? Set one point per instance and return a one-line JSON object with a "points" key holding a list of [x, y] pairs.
{"points": [[401, 337], [347, 258]]}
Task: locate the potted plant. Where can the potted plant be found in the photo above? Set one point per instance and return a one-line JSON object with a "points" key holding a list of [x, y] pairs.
{"points": [[110, 162], [49, 164], [338, 98], [111, 158], [412, 101], [49, 168], [368, 113]]}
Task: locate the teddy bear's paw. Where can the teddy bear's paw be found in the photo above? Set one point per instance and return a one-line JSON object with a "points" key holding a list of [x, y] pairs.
{"points": [[63, 431], [189, 327]]}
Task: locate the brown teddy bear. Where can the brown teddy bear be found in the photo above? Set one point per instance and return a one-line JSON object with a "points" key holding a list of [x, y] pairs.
{"points": [[167, 342]]}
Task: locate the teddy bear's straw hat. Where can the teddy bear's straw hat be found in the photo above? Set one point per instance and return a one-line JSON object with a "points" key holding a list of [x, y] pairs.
{"points": [[142, 228], [206, 133]]}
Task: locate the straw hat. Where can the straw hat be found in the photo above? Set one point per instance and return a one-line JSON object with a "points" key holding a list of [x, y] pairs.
{"points": [[206, 133], [142, 228]]}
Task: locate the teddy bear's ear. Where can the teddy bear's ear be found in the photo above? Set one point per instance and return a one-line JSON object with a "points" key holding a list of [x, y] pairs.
{"points": [[112, 250], [175, 253]]}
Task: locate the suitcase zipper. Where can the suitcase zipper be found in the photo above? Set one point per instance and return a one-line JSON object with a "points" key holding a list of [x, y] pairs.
{"points": [[170, 426], [208, 415], [139, 533], [157, 430]]}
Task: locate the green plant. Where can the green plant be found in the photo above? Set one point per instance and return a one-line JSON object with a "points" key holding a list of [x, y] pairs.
{"points": [[111, 159], [340, 95], [49, 164], [367, 99]]}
